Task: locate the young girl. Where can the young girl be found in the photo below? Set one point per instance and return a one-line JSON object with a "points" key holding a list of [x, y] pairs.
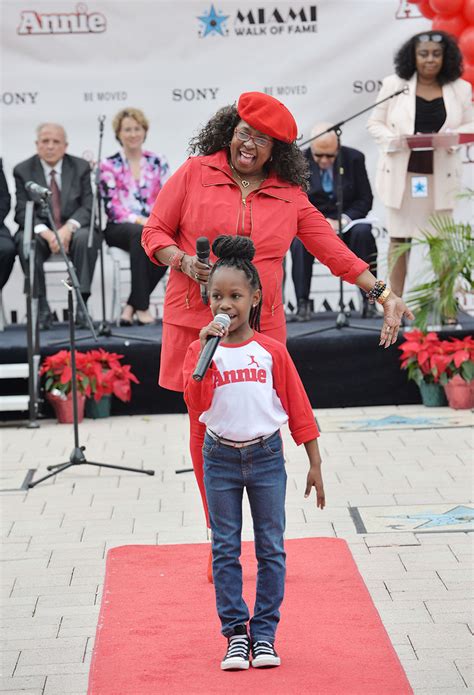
{"points": [[250, 390]]}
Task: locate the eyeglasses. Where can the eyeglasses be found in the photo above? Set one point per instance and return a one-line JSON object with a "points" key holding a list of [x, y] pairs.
{"points": [[423, 38], [320, 155], [243, 136]]}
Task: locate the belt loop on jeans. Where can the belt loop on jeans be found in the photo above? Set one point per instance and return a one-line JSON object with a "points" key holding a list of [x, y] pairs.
{"points": [[238, 445]]}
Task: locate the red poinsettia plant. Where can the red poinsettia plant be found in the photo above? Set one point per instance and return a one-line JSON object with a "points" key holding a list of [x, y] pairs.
{"points": [[98, 373], [429, 359]]}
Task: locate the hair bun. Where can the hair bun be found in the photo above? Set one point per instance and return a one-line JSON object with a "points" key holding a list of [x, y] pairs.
{"points": [[226, 246]]}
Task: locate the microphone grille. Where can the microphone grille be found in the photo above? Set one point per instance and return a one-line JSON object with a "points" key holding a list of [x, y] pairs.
{"points": [[223, 319], [202, 245]]}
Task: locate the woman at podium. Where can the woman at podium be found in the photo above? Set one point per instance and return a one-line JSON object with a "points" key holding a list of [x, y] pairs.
{"points": [[417, 176]]}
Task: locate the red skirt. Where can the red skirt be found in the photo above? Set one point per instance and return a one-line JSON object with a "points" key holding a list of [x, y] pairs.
{"points": [[174, 346]]}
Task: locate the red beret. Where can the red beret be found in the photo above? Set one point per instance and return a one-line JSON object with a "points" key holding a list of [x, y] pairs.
{"points": [[268, 115]]}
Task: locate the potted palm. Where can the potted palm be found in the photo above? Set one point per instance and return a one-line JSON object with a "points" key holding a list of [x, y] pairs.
{"points": [[451, 251]]}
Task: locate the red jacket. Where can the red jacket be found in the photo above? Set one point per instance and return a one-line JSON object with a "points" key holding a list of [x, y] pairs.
{"points": [[202, 199]]}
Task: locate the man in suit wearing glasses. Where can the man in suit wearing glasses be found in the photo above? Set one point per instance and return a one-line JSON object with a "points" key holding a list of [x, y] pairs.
{"points": [[357, 202], [69, 179]]}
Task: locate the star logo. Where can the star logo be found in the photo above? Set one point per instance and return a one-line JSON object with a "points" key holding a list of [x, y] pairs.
{"points": [[393, 421], [420, 187], [460, 515], [213, 23]]}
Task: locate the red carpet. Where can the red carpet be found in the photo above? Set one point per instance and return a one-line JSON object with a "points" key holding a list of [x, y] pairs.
{"points": [[158, 632]]}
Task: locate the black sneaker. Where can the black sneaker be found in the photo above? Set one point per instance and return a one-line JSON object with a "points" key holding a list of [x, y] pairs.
{"points": [[264, 655], [238, 651]]}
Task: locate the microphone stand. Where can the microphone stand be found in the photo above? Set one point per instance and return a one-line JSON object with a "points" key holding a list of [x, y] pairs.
{"points": [[76, 457], [342, 318], [104, 329]]}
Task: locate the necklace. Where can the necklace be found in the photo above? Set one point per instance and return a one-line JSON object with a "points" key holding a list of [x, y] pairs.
{"points": [[245, 183]]}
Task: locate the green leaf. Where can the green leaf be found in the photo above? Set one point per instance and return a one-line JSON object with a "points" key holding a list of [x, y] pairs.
{"points": [[467, 370]]}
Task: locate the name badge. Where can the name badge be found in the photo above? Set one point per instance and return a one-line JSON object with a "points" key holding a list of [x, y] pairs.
{"points": [[419, 186]]}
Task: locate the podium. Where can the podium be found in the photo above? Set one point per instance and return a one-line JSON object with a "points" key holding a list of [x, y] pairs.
{"points": [[422, 142]]}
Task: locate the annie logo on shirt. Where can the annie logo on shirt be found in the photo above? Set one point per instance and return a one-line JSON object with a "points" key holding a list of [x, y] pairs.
{"points": [[233, 376]]}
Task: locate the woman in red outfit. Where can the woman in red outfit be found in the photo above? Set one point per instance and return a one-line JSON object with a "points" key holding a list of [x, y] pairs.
{"points": [[249, 178]]}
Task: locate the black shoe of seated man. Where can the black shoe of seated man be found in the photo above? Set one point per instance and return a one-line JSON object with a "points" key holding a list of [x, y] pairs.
{"points": [[45, 315], [304, 312], [81, 318]]}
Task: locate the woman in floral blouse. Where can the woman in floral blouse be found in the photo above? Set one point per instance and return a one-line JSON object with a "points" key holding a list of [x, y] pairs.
{"points": [[130, 180]]}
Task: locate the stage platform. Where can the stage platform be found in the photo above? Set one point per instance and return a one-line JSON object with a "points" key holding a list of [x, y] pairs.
{"points": [[340, 367]]}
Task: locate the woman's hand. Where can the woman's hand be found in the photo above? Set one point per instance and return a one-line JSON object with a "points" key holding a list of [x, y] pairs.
{"points": [[212, 329], [196, 269], [394, 309]]}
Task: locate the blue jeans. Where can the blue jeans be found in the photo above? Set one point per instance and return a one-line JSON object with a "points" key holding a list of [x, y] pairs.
{"points": [[227, 471]]}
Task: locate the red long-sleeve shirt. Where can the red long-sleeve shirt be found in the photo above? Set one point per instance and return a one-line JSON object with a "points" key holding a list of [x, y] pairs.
{"points": [[250, 390]]}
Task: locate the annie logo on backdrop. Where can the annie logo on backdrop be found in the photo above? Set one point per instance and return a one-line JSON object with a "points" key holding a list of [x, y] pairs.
{"points": [[260, 21], [80, 22]]}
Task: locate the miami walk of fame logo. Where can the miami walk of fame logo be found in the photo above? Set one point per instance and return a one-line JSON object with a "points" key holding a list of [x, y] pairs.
{"points": [[213, 23]]}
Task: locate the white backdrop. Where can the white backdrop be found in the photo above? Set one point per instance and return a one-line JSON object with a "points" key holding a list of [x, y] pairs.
{"points": [[180, 61]]}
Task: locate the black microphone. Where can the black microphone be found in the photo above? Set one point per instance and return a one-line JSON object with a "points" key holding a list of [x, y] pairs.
{"points": [[203, 251], [210, 347], [37, 193]]}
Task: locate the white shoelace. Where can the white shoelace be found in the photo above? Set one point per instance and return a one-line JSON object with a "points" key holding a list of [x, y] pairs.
{"points": [[238, 647], [261, 647]]}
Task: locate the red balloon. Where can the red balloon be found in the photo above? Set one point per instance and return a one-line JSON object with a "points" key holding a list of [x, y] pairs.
{"points": [[451, 25], [425, 9], [413, 2], [447, 7], [468, 11], [466, 44], [468, 73]]}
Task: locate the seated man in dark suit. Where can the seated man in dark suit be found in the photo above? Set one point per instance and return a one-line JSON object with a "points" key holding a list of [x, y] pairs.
{"points": [[69, 179], [7, 245], [357, 202]]}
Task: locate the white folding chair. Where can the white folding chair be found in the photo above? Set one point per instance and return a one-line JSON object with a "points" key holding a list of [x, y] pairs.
{"points": [[120, 265]]}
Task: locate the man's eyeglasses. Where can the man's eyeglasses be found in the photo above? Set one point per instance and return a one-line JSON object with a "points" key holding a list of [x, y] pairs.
{"points": [[423, 38], [321, 155], [260, 141]]}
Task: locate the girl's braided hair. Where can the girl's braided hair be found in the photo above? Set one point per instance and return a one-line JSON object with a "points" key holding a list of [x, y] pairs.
{"points": [[238, 252]]}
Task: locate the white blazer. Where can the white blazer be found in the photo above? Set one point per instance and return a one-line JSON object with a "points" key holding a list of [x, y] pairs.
{"points": [[397, 117]]}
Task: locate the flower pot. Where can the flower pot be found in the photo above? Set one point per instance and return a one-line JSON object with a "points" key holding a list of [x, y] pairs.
{"points": [[64, 408], [98, 409], [432, 395], [460, 393]]}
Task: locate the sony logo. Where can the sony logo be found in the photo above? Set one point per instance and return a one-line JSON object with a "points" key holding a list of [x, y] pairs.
{"points": [[195, 94]]}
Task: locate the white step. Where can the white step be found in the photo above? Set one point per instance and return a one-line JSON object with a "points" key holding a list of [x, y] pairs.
{"points": [[14, 371], [11, 403]]}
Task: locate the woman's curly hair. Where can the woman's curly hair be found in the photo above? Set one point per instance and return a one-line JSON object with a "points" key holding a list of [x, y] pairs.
{"points": [[451, 69], [287, 160], [238, 252]]}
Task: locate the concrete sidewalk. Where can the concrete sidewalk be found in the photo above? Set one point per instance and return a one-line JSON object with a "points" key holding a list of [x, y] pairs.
{"points": [[400, 495]]}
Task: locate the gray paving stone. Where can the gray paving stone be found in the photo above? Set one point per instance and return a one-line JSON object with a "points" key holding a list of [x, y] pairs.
{"points": [[69, 684], [51, 669], [17, 683], [58, 655]]}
